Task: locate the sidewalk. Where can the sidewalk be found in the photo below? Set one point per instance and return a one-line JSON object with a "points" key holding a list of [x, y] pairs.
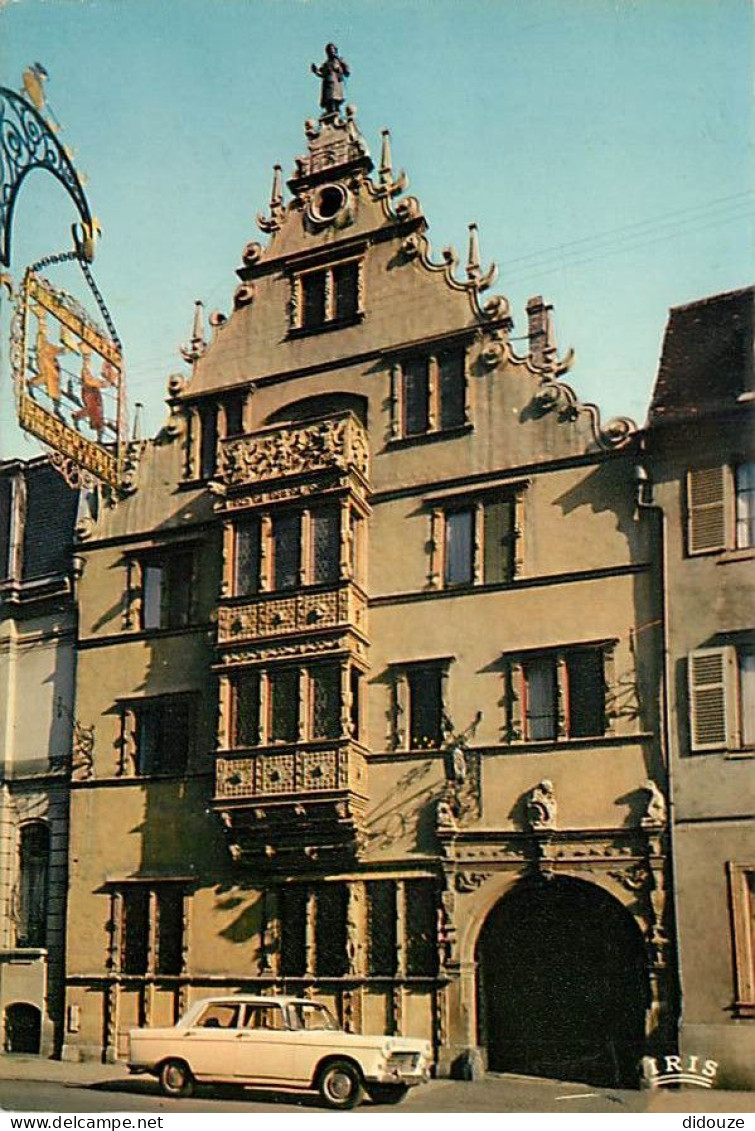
{"points": [[16, 1066]]}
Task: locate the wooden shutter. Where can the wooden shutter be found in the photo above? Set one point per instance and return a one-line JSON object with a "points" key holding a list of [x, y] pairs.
{"points": [[706, 509], [711, 682]]}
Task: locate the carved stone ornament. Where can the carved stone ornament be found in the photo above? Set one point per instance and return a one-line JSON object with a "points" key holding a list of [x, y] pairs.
{"points": [[470, 881], [243, 295], [655, 810], [445, 818], [82, 762], [541, 807], [333, 443]]}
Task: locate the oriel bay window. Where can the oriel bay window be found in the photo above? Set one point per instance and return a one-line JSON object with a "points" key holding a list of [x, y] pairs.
{"points": [[477, 540], [557, 694], [294, 547], [430, 393], [292, 703]]}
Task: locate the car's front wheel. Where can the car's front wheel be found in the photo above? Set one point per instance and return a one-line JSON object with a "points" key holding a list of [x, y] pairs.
{"points": [[388, 1093], [340, 1085], [176, 1079]]}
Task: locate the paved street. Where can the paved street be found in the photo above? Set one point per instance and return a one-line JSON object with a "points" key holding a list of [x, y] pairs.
{"points": [[94, 1088]]}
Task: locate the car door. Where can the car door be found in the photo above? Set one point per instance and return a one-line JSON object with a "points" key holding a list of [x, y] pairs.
{"points": [[264, 1045], [209, 1045]]}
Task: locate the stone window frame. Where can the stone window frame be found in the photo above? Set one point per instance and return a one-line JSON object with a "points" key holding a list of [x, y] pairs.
{"points": [[129, 722], [713, 506], [429, 355], [514, 696], [399, 738], [741, 879], [440, 507], [296, 325], [135, 563], [227, 726], [351, 547], [29, 908], [213, 408], [715, 690], [120, 893]]}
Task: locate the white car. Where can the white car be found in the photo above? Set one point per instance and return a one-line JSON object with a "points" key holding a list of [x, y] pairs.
{"points": [[278, 1042]]}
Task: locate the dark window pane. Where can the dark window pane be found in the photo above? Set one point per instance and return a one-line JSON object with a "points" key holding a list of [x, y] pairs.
{"points": [[313, 299], [293, 911], [421, 919], [355, 687], [459, 557], [326, 544], [424, 707], [245, 716], [330, 930], [247, 570], [135, 931], [162, 736], [208, 441], [587, 693], [286, 546], [345, 283], [326, 701], [284, 705], [416, 418], [498, 540], [451, 387], [169, 957], [234, 414], [177, 593], [6, 499], [381, 927], [540, 681], [34, 864], [50, 507]]}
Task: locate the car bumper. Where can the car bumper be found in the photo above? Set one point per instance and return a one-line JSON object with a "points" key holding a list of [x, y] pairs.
{"points": [[396, 1076]]}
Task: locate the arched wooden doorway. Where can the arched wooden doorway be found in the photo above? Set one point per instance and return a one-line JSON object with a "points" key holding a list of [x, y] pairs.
{"points": [[562, 984], [23, 1028]]}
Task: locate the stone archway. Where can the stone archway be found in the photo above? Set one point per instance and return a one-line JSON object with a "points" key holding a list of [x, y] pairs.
{"points": [[23, 1028], [562, 984]]}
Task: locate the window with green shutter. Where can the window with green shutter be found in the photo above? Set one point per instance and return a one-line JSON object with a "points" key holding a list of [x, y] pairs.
{"points": [[707, 509]]}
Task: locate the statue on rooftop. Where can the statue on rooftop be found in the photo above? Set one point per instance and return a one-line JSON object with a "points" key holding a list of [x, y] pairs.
{"points": [[332, 72]]}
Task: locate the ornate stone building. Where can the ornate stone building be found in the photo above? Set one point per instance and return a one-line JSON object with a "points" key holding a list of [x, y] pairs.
{"points": [[37, 631], [700, 457], [369, 658]]}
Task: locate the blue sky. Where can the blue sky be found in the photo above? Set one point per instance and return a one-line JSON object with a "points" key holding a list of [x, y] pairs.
{"points": [[605, 147]]}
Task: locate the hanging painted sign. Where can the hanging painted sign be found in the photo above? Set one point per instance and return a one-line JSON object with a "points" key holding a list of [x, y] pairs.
{"points": [[69, 381]]}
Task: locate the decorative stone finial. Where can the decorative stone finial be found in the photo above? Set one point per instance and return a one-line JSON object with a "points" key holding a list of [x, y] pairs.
{"points": [[276, 195], [332, 72], [386, 169], [473, 256], [196, 346], [136, 432]]}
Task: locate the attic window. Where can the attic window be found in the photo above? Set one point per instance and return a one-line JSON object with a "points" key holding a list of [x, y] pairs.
{"points": [[326, 298]]}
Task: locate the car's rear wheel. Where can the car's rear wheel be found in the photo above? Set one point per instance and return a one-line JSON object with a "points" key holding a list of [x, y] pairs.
{"points": [[176, 1079], [340, 1085], [388, 1093]]}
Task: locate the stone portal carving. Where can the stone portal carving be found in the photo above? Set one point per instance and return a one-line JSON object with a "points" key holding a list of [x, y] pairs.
{"points": [[655, 810]]}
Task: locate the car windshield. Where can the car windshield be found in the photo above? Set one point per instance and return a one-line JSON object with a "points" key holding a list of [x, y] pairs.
{"points": [[310, 1016]]}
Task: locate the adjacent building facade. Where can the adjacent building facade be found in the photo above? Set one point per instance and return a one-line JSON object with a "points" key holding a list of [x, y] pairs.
{"points": [[37, 632], [368, 665], [700, 456]]}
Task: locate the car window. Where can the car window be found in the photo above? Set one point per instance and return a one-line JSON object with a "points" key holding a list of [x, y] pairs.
{"points": [[219, 1015], [306, 1016], [264, 1017]]}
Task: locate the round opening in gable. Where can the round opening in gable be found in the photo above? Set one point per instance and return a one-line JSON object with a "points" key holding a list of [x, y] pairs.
{"points": [[328, 202]]}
